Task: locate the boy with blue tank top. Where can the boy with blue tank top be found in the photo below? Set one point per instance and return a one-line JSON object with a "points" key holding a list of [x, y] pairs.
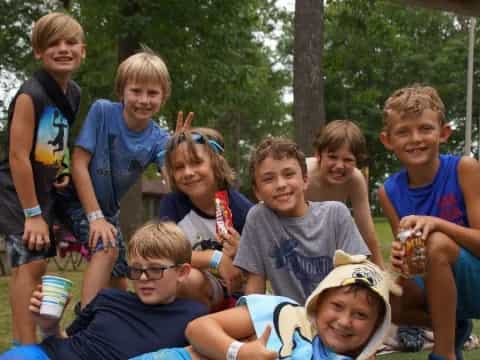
{"points": [[437, 195]]}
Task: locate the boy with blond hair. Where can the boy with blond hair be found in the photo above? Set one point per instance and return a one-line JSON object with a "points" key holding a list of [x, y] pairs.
{"points": [[118, 324], [39, 119], [435, 194], [286, 239], [333, 174], [117, 142]]}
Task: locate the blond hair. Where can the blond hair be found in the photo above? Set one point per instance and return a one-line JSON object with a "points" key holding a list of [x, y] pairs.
{"points": [[223, 173], [162, 240], [278, 148], [143, 67], [53, 27], [338, 133], [411, 101]]}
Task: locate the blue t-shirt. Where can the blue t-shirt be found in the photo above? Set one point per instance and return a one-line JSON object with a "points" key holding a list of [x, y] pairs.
{"points": [[119, 155], [197, 225], [292, 335], [442, 198], [117, 325]]}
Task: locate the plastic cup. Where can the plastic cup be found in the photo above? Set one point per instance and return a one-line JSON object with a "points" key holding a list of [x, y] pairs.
{"points": [[55, 292]]}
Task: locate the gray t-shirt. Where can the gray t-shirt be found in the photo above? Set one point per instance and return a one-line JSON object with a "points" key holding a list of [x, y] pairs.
{"points": [[296, 253]]}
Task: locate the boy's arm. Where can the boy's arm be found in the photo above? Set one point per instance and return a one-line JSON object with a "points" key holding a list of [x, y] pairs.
{"points": [[99, 228], [212, 335], [466, 237], [388, 210], [36, 232], [363, 216], [255, 284], [396, 252]]}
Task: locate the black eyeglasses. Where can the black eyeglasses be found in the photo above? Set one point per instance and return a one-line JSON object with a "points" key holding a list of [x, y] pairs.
{"points": [[152, 273]]}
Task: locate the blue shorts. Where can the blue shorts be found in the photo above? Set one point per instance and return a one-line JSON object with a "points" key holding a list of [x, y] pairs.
{"points": [[76, 219], [26, 352], [466, 272], [19, 254]]}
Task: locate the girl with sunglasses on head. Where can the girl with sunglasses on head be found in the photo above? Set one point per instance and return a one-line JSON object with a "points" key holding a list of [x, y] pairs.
{"points": [[197, 170]]}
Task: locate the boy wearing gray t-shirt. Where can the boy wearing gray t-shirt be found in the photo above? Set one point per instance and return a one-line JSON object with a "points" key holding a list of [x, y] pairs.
{"points": [[287, 240]]}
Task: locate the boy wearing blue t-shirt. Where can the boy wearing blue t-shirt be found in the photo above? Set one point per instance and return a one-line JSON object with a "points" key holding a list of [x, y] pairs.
{"points": [[116, 144], [437, 195], [118, 324]]}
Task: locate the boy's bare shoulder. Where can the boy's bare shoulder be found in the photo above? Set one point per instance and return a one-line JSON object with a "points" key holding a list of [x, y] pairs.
{"points": [[468, 171]]}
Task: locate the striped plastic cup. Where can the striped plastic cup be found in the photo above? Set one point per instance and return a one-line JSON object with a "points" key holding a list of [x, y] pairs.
{"points": [[55, 292]]}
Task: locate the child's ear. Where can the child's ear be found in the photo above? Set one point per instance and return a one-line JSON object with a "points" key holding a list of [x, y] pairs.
{"points": [[445, 133], [255, 192], [183, 272], [385, 140], [84, 51], [37, 54]]}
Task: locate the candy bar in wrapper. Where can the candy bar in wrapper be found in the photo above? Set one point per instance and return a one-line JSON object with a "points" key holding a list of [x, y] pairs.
{"points": [[415, 252], [223, 213]]}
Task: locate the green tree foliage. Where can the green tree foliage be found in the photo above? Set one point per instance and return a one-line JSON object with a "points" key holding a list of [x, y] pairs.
{"points": [[375, 47], [219, 65]]}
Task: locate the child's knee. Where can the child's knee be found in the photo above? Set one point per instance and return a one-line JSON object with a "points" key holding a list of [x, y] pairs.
{"points": [[441, 249]]}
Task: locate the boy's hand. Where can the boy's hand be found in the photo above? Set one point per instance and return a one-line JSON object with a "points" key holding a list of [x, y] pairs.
{"points": [[61, 182], [230, 242], [397, 253], [231, 275], [102, 229], [257, 350], [49, 325], [183, 126], [425, 224], [36, 234]]}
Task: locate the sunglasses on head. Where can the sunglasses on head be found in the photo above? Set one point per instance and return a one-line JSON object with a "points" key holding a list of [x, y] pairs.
{"points": [[152, 273], [197, 138]]}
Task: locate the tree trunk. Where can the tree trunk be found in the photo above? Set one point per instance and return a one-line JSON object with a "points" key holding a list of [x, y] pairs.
{"points": [[308, 103], [131, 205]]}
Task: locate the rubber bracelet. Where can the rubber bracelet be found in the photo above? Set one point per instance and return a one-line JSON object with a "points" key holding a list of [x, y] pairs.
{"points": [[95, 215], [34, 211], [233, 350], [215, 260]]}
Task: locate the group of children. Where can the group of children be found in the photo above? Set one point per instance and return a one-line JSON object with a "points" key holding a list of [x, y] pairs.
{"points": [[297, 238]]}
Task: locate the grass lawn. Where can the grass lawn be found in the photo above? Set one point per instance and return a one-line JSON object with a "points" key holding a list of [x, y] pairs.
{"points": [[384, 234]]}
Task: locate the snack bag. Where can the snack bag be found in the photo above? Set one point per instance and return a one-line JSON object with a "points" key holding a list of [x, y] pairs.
{"points": [[415, 252], [223, 213]]}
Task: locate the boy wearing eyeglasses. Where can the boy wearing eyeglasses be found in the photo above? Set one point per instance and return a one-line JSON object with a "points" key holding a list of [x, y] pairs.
{"points": [[118, 324]]}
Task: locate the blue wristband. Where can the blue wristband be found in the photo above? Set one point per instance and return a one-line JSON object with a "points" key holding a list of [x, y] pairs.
{"points": [[34, 211], [215, 260]]}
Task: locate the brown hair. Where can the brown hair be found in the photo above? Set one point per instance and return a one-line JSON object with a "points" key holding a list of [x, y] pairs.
{"points": [[143, 67], [337, 133], [53, 27], [277, 148], [163, 240], [223, 173], [411, 101]]}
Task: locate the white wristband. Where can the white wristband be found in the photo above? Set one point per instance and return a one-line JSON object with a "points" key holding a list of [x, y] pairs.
{"points": [[233, 350], [95, 215]]}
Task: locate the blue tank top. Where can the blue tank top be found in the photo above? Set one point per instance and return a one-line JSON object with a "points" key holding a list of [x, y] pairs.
{"points": [[442, 198]]}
